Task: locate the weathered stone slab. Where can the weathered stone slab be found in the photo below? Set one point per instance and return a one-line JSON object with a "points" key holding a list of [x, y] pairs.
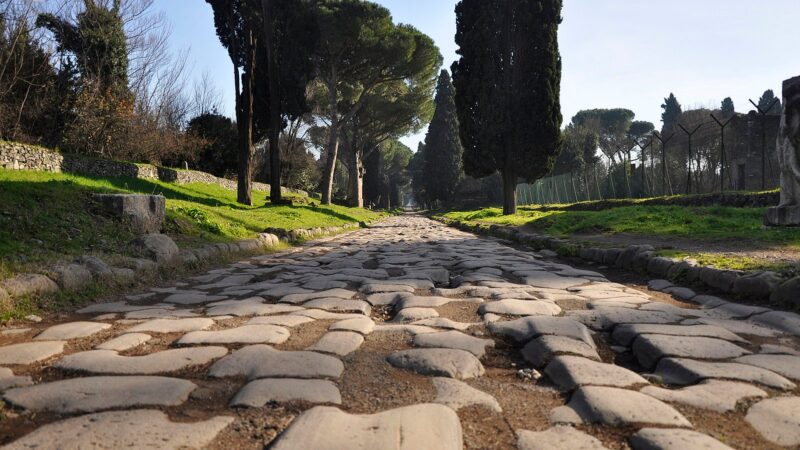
{"points": [[124, 342], [253, 306], [8, 380], [649, 348], [405, 328], [779, 320], [426, 426], [607, 318], [343, 294], [457, 394], [377, 288], [616, 407], [338, 343], [526, 328], [246, 334], [735, 326], [674, 439], [258, 393], [451, 363], [363, 325], [542, 350], [142, 213], [94, 394], [626, 333], [514, 307], [71, 330], [325, 315], [454, 339], [263, 361], [415, 314], [443, 322], [30, 352], [173, 325], [28, 284], [340, 305], [715, 395], [551, 280], [777, 419], [109, 362], [735, 311], [193, 298], [116, 307], [123, 429], [786, 365], [386, 298], [688, 371], [282, 321], [570, 372], [159, 313], [557, 438]]}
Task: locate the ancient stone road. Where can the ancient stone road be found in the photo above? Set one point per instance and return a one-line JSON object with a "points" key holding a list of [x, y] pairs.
{"points": [[407, 335]]}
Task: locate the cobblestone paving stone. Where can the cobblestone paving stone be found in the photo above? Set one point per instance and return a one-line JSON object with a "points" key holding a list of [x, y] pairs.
{"points": [[405, 335]]}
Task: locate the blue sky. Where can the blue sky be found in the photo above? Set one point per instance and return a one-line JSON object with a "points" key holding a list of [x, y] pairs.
{"points": [[617, 53]]}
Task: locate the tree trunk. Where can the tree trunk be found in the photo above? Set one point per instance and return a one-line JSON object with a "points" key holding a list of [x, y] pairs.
{"points": [[245, 185], [357, 181], [274, 104], [333, 145], [509, 192]]}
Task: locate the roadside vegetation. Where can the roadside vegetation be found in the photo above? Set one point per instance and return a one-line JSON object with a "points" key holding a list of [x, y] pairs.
{"points": [[48, 216]]}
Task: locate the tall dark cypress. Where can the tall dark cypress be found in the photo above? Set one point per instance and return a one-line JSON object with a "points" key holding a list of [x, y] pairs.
{"points": [[442, 169], [508, 83]]}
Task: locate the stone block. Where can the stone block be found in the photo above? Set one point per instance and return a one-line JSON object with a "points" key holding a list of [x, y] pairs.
{"points": [[788, 293], [158, 247], [782, 216], [758, 286], [142, 213], [28, 284], [72, 276]]}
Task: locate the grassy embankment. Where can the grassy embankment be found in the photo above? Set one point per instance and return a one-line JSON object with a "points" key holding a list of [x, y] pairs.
{"points": [[728, 226], [45, 217]]}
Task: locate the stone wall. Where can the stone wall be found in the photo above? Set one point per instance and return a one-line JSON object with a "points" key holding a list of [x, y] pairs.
{"points": [[16, 156]]}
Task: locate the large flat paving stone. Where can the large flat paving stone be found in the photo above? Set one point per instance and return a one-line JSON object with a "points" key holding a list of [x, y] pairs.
{"points": [[110, 362], [454, 339], [30, 352], [459, 364], [777, 419], [92, 394], [457, 394], [249, 307], [340, 305], [260, 392], [417, 427], [542, 350], [606, 318], [71, 330], [683, 372], [263, 361], [125, 342], [626, 333], [714, 395], [173, 325], [444, 322], [515, 307], [570, 372], [116, 307], [674, 439], [281, 321], [616, 407], [551, 280], [414, 314], [8, 380], [779, 320], [363, 325], [193, 298], [786, 365], [527, 328], [246, 334], [649, 348], [122, 429], [340, 343], [343, 294], [559, 437]]}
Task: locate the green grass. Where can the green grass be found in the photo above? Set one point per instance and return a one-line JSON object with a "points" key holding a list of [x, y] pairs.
{"points": [[46, 216], [702, 223], [727, 261]]}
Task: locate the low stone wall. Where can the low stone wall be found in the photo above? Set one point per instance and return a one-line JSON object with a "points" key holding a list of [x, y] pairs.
{"points": [[761, 286], [16, 156]]}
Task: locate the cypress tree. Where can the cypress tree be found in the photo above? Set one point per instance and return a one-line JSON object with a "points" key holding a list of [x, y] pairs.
{"points": [[508, 89], [672, 112], [442, 169], [727, 108]]}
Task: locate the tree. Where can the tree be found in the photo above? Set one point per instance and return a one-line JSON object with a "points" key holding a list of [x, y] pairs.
{"points": [[218, 133], [766, 101], [289, 39], [672, 113], [443, 169], [360, 51], [508, 89], [611, 127], [234, 20], [416, 168], [727, 108]]}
